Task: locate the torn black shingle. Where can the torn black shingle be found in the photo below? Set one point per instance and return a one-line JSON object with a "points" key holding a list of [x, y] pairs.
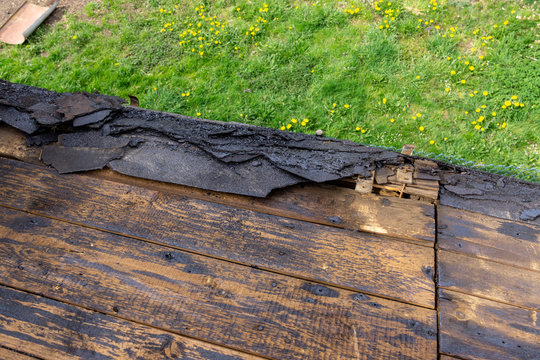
{"points": [[96, 131]]}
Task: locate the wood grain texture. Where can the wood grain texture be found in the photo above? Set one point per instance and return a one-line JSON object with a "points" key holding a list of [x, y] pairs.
{"points": [[221, 302], [7, 354], [488, 279], [319, 203], [377, 265], [446, 357], [474, 328], [54, 330], [13, 145], [324, 204], [506, 241]]}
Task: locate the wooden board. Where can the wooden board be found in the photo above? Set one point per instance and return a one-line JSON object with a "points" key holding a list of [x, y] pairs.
{"points": [[324, 204], [8, 354], [13, 145], [446, 357], [505, 241], [319, 203], [53, 330], [490, 280], [221, 302], [474, 328], [362, 262]]}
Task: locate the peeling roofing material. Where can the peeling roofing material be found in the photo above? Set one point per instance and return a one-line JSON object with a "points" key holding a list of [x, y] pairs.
{"points": [[82, 131]]}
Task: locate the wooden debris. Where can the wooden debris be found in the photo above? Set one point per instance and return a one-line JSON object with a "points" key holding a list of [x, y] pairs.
{"points": [[364, 185]]}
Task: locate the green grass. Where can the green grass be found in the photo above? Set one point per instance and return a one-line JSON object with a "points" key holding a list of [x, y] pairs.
{"points": [[325, 61]]}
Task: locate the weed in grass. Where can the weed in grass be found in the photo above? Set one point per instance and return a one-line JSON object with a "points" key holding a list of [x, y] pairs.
{"points": [[383, 73]]}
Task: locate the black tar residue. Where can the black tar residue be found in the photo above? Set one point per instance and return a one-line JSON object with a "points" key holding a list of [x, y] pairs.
{"points": [[83, 131]]}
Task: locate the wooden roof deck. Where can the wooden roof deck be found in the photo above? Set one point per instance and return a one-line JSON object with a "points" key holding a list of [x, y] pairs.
{"points": [[101, 265]]}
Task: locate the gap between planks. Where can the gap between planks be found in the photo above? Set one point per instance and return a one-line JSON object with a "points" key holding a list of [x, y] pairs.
{"points": [[148, 295], [11, 354], [227, 260], [132, 324], [408, 220], [341, 257]]}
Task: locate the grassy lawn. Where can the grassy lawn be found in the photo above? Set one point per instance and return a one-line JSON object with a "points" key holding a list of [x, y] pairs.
{"points": [[454, 77]]}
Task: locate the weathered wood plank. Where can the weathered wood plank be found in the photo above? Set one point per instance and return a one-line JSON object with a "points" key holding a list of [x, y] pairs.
{"points": [[8, 354], [474, 328], [53, 330], [488, 279], [506, 241], [319, 203], [13, 145], [224, 303], [446, 357], [324, 204], [349, 259]]}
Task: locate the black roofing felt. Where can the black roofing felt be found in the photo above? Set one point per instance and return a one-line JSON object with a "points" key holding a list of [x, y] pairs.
{"points": [[83, 131]]}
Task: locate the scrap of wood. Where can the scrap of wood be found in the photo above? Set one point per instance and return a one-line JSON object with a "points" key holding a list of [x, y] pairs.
{"points": [[364, 185]]}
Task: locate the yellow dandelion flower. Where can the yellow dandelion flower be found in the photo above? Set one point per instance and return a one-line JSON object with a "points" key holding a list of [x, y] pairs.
{"points": [[418, 114], [494, 114], [471, 68], [432, 142], [198, 114], [74, 37], [384, 100], [421, 128], [463, 81], [447, 89], [346, 106], [283, 128], [477, 110], [452, 72], [357, 128], [289, 126], [363, 131], [514, 97], [507, 103], [392, 120], [485, 93], [294, 121]]}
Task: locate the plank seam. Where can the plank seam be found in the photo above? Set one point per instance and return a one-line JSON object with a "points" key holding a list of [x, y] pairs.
{"points": [[113, 315], [490, 299], [453, 356], [221, 259], [484, 259], [21, 352], [436, 275], [98, 176]]}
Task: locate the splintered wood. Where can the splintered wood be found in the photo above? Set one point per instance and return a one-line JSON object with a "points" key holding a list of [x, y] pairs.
{"points": [[419, 180]]}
